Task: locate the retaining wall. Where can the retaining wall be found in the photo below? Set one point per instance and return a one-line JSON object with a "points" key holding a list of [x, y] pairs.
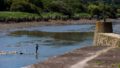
{"points": [[107, 39]]}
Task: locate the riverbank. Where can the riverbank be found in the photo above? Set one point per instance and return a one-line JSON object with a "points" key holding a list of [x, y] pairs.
{"points": [[89, 57], [110, 59], [14, 25], [69, 59]]}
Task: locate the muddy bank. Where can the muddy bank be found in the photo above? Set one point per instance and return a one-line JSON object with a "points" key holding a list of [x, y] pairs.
{"points": [[68, 59], [111, 59], [14, 25]]}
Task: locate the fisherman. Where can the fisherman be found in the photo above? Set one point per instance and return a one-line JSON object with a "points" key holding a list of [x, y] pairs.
{"points": [[37, 47]]}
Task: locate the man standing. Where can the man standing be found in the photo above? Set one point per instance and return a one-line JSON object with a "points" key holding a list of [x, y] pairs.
{"points": [[37, 47]]}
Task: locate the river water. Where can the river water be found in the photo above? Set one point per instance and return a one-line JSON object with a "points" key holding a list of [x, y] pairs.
{"points": [[52, 41]]}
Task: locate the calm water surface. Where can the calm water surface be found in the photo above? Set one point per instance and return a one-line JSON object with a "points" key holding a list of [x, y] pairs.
{"points": [[52, 40]]}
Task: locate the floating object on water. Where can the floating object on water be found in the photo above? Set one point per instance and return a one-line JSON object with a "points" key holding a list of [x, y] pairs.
{"points": [[21, 53]]}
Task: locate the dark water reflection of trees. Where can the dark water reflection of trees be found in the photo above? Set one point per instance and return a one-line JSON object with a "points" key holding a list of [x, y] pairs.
{"points": [[68, 36]]}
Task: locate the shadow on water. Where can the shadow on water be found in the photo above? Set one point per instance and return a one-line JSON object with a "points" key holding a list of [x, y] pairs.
{"points": [[66, 36]]}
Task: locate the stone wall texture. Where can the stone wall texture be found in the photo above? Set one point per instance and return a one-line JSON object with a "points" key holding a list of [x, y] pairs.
{"points": [[107, 39]]}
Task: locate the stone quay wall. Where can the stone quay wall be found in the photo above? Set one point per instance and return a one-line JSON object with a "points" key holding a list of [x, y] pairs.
{"points": [[107, 39]]}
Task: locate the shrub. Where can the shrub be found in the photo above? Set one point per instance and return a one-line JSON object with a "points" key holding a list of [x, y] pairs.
{"points": [[24, 7], [53, 15], [60, 7], [18, 16], [82, 15]]}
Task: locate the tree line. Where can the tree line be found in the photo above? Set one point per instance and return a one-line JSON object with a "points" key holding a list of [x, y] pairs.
{"points": [[69, 8]]}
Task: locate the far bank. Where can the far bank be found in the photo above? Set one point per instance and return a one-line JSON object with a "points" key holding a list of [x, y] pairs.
{"points": [[14, 25]]}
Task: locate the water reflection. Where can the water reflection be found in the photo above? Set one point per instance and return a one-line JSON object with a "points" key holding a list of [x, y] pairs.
{"points": [[69, 36]]}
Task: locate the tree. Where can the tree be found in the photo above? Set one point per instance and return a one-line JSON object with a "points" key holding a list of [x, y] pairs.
{"points": [[109, 10], [24, 7], [94, 10], [3, 5], [38, 3], [61, 7], [76, 5], [102, 10]]}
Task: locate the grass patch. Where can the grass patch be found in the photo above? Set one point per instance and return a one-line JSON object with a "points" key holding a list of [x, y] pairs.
{"points": [[118, 15], [54, 16], [116, 65], [119, 65], [6, 16], [99, 62], [82, 15], [18, 16]]}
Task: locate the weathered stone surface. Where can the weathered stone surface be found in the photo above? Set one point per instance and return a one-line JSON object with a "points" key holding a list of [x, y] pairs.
{"points": [[102, 27], [108, 39]]}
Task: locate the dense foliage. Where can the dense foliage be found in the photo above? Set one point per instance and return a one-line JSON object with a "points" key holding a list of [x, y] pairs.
{"points": [[63, 8]]}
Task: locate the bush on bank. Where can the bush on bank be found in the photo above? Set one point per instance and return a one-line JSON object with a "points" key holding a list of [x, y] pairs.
{"points": [[7, 16], [54, 16], [81, 16], [18, 16]]}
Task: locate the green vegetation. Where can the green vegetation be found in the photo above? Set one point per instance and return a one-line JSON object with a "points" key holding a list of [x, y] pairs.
{"points": [[99, 62], [58, 9], [54, 16], [116, 65], [119, 65], [82, 15], [18, 16]]}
